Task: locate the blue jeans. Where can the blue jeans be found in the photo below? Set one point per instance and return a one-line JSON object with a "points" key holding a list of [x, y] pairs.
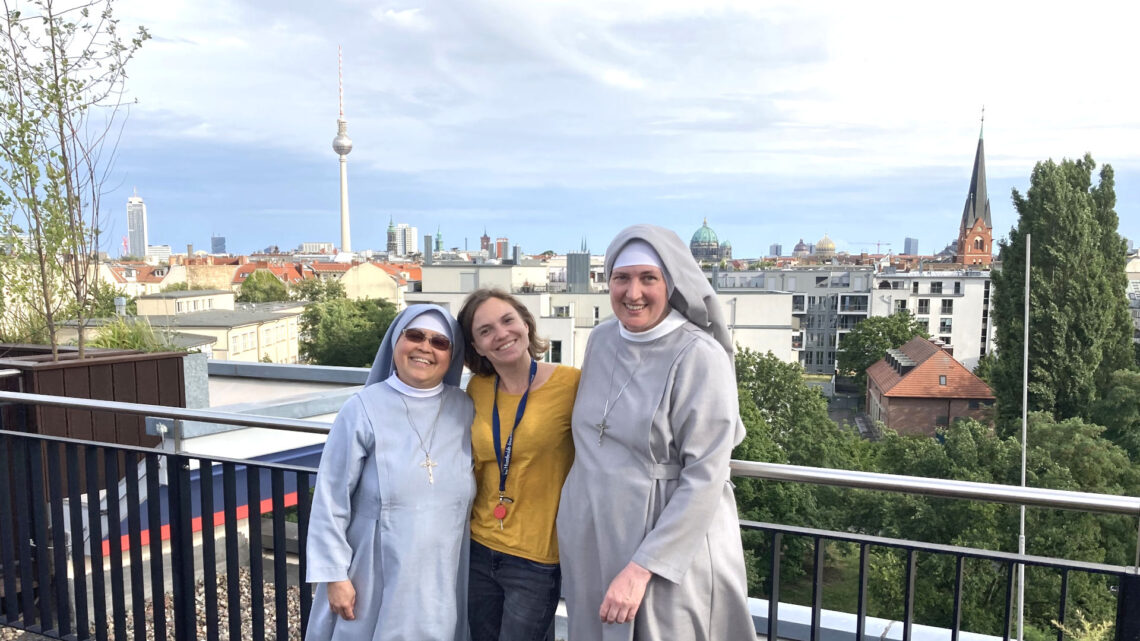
{"points": [[510, 598]]}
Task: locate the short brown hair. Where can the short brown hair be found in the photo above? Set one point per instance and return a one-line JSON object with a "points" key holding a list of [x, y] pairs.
{"points": [[477, 363]]}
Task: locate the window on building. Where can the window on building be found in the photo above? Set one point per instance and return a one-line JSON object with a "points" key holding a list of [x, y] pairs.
{"points": [[554, 354], [975, 404], [896, 284], [924, 323], [945, 325], [900, 305], [791, 282], [941, 379], [945, 339], [194, 305], [936, 287], [798, 303], [948, 306], [821, 281], [562, 311], [235, 344], [914, 287], [957, 287], [924, 306], [979, 244], [178, 307], [209, 303]]}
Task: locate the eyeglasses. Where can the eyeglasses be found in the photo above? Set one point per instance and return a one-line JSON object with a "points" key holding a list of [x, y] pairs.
{"points": [[418, 336]]}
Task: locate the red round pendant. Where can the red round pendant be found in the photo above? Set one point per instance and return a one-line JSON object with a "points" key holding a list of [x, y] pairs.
{"points": [[500, 512]]}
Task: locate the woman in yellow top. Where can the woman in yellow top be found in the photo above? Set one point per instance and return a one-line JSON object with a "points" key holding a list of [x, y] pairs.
{"points": [[523, 449]]}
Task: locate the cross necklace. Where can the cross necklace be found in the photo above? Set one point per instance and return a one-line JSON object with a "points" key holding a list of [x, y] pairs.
{"points": [[427, 463], [601, 425]]}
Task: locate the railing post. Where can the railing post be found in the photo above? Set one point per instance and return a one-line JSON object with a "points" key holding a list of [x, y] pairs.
{"points": [[1128, 608], [181, 548]]}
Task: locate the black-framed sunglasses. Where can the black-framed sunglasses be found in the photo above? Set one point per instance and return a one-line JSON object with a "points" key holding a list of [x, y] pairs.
{"points": [[442, 343]]}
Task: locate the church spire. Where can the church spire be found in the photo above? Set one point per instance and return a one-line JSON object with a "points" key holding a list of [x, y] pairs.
{"points": [[977, 200]]}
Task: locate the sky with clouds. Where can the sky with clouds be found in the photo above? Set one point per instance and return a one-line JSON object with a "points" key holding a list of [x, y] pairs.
{"points": [[556, 121]]}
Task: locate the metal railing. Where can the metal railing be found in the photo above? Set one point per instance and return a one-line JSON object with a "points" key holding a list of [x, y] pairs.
{"points": [[79, 519]]}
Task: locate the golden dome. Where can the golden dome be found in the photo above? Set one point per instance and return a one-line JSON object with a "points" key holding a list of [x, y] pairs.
{"points": [[825, 244]]}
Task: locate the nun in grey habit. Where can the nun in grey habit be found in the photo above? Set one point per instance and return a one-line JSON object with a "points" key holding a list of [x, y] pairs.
{"points": [[393, 494], [648, 505]]}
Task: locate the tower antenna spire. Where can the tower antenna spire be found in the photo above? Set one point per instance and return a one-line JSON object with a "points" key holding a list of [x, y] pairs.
{"points": [[342, 145], [983, 127]]}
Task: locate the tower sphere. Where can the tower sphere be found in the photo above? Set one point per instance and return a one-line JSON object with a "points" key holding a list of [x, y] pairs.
{"points": [[342, 144]]}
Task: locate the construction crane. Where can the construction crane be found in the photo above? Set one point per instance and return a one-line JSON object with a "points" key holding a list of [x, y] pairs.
{"points": [[877, 243]]}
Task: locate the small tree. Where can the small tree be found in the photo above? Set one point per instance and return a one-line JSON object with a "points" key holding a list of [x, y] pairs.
{"points": [[870, 340], [262, 287], [62, 79], [317, 290], [344, 332]]}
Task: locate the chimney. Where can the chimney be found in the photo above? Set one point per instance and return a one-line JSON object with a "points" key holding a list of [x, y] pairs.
{"points": [[189, 250]]}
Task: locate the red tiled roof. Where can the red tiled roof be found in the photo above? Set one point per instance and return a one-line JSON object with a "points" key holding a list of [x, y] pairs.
{"points": [[330, 267], [143, 273], [931, 363], [412, 272], [288, 272]]}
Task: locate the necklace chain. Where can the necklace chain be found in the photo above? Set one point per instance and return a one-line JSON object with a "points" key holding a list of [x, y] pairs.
{"points": [[610, 404], [427, 463]]}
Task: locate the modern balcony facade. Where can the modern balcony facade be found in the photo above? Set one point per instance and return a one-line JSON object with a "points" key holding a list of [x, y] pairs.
{"points": [[90, 532]]}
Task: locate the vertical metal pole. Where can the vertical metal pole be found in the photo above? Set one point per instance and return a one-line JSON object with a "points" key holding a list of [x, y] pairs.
{"points": [[1024, 432], [1128, 608]]}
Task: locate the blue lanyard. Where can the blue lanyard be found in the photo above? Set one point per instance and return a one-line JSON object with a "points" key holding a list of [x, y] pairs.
{"points": [[503, 455]]}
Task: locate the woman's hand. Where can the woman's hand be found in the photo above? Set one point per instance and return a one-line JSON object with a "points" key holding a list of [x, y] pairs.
{"points": [[624, 595], [342, 599]]}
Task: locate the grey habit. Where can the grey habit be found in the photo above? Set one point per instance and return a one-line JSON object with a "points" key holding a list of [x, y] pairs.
{"points": [[376, 520], [656, 489]]}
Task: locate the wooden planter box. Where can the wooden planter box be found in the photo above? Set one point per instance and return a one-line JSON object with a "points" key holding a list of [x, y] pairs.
{"points": [[104, 374]]}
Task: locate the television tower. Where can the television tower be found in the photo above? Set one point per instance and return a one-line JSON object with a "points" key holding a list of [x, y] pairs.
{"points": [[342, 144]]}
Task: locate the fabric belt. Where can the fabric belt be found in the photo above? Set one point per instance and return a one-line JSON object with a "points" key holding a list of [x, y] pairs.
{"points": [[664, 471]]}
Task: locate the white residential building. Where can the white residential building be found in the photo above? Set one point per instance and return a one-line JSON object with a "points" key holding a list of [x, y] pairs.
{"points": [[953, 305]]}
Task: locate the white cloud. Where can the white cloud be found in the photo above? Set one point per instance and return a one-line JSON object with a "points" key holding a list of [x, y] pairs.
{"points": [[538, 93]]}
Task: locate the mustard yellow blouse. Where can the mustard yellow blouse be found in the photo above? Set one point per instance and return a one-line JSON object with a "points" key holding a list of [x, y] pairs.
{"points": [[541, 455]]}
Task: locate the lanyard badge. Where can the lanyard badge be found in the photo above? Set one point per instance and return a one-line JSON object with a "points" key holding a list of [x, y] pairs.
{"points": [[503, 454]]}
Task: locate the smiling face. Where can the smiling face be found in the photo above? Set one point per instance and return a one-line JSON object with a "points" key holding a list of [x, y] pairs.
{"points": [[639, 296], [419, 364], [500, 334]]}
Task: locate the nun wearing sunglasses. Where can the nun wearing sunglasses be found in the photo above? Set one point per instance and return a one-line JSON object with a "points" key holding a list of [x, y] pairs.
{"points": [[388, 532]]}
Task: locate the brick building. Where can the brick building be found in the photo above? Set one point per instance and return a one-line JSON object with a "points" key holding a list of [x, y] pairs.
{"points": [[920, 387]]}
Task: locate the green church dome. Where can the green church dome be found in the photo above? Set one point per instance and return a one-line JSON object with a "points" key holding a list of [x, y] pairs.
{"points": [[704, 235]]}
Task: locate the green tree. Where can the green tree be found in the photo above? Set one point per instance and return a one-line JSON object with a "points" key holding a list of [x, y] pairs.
{"points": [[316, 290], [869, 341], [344, 332], [262, 286], [103, 297], [1119, 411], [1067, 455], [786, 422], [62, 79], [1079, 327]]}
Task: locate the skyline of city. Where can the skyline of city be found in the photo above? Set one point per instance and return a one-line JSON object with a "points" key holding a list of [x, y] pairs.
{"points": [[551, 123]]}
